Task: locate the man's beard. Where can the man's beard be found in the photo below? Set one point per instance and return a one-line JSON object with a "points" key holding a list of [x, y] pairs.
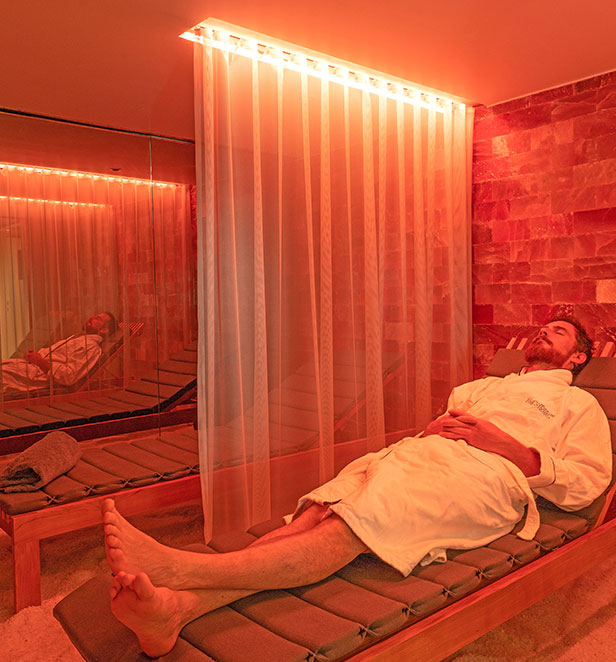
{"points": [[541, 351]]}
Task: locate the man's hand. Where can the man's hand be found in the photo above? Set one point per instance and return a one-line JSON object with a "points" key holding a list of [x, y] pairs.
{"points": [[477, 432], [35, 358], [436, 426]]}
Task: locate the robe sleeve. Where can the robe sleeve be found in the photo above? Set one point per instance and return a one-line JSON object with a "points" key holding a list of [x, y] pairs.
{"points": [[580, 467], [79, 360]]}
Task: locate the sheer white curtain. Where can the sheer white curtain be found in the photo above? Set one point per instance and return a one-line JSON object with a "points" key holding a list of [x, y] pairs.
{"points": [[333, 275]]}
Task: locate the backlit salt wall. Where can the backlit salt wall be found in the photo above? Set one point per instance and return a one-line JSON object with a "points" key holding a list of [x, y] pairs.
{"points": [[544, 213]]}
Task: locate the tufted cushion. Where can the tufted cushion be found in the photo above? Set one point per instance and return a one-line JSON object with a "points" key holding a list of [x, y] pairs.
{"points": [[111, 468]]}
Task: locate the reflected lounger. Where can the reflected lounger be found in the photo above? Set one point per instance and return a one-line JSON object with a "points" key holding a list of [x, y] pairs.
{"points": [[174, 382], [110, 348]]}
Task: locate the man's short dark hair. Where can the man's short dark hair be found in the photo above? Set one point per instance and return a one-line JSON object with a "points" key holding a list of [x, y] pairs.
{"points": [[585, 343], [112, 324]]}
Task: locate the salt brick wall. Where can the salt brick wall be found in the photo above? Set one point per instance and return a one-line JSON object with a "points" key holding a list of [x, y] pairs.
{"points": [[544, 213]]}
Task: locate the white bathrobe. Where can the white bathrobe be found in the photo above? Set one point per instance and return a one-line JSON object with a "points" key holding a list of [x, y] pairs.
{"points": [[70, 359], [411, 501]]}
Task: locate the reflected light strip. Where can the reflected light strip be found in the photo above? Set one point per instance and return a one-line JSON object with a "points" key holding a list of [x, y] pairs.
{"points": [[82, 175], [291, 57], [64, 203]]}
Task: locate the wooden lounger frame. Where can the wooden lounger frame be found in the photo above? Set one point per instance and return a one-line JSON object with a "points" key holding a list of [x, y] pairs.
{"points": [[435, 636], [181, 413], [455, 626], [28, 529]]}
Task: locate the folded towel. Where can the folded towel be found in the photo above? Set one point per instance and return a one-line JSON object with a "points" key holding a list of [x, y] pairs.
{"points": [[39, 464]]}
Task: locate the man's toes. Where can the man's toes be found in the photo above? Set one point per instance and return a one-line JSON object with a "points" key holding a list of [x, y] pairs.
{"points": [[143, 586], [108, 506], [115, 556], [111, 517], [113, 542], [126, 579], [111, 530]]}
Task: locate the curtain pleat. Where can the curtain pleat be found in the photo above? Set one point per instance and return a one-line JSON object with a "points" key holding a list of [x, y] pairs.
{"points": [[261, 441], [353, 298], [375, 429], [206, 292], [310, 240], [402, 237], [423, 295], [326, 364]]}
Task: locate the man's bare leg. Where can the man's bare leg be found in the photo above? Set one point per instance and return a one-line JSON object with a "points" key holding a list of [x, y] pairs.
{"points": [[281, 562], [309, 516], [157, 614]]}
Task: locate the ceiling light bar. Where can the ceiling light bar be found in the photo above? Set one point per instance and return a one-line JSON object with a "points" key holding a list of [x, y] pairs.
{"points": [[81, 175], [64, 203], [229, 38]]}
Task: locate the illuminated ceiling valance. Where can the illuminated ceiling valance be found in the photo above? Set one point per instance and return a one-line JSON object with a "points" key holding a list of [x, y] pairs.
{"points": [[235, 40]]}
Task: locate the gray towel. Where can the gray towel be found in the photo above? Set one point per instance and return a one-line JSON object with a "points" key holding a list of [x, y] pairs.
{"points": [[39, 464]]}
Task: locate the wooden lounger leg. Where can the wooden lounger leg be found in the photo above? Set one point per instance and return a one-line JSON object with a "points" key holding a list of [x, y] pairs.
{"points": [[26, 573]]}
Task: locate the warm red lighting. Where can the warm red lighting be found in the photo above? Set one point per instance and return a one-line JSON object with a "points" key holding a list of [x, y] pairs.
{"points": [[82, 175], [64, 203], [232, 39]]}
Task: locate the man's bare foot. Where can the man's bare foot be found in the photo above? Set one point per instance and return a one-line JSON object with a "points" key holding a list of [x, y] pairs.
{"points": [[132, 551], [152, 613]]}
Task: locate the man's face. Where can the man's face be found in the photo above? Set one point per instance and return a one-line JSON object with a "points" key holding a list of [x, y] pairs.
{"points": [[98, 324], [553, 346]]}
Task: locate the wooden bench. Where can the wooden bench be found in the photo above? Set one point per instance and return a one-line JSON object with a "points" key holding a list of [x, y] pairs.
{"points": [[142, 475]]}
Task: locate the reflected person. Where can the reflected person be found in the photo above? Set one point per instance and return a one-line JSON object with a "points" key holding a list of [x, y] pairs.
{"points": [[64, 363]]}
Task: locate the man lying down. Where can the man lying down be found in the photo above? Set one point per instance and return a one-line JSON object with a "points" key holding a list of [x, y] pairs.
{"points": [[465, 481], [64, 363]]}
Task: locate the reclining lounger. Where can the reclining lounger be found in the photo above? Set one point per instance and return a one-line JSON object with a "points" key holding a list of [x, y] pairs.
{"points": [[86, 417], [110, 348], [367, 610]]}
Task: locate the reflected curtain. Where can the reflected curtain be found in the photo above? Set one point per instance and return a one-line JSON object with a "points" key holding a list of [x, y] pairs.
{"points": [[76, 244], [333, 274]]}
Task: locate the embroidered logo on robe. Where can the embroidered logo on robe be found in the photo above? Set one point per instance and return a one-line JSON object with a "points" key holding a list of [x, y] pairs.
{"points": [[540, 407]]}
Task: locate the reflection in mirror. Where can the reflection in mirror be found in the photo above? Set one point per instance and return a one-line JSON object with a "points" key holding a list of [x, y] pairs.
{"points": [[79, 251]]}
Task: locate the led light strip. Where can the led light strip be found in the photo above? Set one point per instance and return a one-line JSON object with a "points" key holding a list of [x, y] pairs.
{"points": [[82, 175], [230, 39], [64, 203]]}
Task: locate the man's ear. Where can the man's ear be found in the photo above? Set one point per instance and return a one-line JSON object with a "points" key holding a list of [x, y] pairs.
{"points": [[577, 358], [103, 331]]}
